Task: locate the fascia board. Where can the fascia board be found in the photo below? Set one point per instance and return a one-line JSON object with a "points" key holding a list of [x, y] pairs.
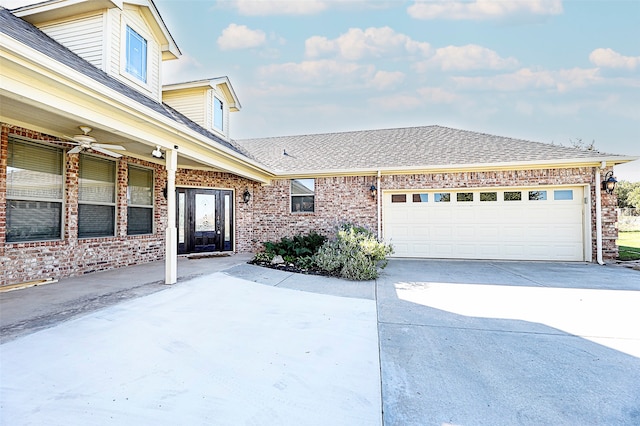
{"points": [[455, 168], [234, 103], [115, 110], [59, 9]]}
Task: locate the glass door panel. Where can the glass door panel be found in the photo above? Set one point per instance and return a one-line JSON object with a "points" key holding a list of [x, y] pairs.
{"points": [[206, 223]]}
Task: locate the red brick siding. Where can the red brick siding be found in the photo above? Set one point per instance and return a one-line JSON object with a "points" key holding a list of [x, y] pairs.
{"points": [[337, 200], [342, 199], [72, 256], [266, 217], [244, 213]]}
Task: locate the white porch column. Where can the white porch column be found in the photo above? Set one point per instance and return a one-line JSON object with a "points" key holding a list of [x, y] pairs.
{"points": [[171, 234]]}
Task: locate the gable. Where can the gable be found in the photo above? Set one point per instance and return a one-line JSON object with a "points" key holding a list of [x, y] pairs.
{"points": [[96, 31]]}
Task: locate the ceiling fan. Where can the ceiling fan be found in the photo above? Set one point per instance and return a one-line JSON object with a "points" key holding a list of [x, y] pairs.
{"points": [[85, 141]]}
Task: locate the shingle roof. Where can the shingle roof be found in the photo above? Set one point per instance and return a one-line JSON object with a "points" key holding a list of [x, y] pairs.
{"points": [[31, 36], [412, 147]]}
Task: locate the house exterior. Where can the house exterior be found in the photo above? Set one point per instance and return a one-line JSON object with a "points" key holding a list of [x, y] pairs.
{"points": [[102, 166]]}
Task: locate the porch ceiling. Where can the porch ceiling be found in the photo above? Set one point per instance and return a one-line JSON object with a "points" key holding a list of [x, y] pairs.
{"points": [[19, 113]]}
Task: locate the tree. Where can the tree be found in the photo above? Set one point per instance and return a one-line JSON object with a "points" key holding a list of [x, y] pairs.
{"points": [[634, 196], [628, 194], [578, 143]]}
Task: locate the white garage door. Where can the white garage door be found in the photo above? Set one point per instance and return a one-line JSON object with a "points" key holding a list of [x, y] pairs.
{"points": [[517, 224]]}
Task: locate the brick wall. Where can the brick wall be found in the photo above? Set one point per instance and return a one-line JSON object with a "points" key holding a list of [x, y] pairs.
{"points": [[342, 199], [266, 217], [244, 213], [72, 256], [337, 200]]}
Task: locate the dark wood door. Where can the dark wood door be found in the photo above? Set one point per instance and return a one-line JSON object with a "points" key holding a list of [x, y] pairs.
{"points": [[205, 220]]}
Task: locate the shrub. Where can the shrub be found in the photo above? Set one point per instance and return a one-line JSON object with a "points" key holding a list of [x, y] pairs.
{"points": [[355, 254], [298, 246]]}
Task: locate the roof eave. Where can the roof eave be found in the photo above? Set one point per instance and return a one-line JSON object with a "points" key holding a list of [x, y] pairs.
{"points": [[448, 168]]}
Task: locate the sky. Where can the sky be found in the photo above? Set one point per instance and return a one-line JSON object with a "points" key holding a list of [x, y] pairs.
{"points": [[564, 72]]}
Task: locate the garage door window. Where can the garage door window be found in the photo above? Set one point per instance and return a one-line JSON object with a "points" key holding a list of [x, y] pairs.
{"points": [[537, 195], [464, 197], [512, 195], [442, 197], [488, 196], [399, 198], [563, 194], [420, 198]]}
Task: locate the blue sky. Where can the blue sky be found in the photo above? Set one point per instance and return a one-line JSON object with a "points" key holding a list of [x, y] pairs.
{"points": [[546, 70]]}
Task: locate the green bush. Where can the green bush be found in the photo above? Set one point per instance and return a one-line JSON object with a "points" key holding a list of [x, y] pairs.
{"points": [[298, 246], [355, 254]]}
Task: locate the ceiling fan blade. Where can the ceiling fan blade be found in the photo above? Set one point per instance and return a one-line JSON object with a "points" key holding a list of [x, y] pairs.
{"points": [[70, 139], [106, 151], [75, 150], [108, 145]]}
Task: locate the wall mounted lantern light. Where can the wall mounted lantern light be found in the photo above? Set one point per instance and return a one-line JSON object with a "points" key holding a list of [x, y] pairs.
{"points": [[609, 183], [373, 190], [246, 196]]}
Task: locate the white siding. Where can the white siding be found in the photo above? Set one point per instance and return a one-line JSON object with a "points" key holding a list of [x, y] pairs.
{"points": [[190, 103], [225, 105], [84, 36], [118, 20]]}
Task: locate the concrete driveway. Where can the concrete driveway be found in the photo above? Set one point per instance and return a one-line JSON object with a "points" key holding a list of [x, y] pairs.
{"points": [[429, 343], [509, 343]]}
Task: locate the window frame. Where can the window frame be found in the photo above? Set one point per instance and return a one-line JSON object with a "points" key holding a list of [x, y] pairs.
{"points": [[113, 204], [293, 196], [131, 205], [124, 56], [12, 139], [220, 128]]}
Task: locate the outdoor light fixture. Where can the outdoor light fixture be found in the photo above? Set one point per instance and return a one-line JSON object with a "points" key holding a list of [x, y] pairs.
{"points": [[373, 190], [157, 153], [609, 183], [246, 196]]}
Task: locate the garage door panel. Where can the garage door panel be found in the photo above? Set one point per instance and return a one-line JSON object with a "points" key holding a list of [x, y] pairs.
{"points": [[526, 229]]}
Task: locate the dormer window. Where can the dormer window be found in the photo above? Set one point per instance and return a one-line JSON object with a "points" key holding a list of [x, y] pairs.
{"points": [[218, 114], [136, 55]]}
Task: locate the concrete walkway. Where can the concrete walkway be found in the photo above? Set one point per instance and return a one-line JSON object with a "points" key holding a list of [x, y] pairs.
{"points": [[213, 350], [429, 343]]}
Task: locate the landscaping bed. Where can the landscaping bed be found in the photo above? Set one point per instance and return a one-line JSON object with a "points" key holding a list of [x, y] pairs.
{"points": [[353, 253]]}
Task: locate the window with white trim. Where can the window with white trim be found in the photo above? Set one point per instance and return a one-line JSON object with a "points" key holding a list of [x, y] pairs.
{"points": [[218, 114], [302, 195], [96, 197], [136, 55], [140, 201], [35, 191]]}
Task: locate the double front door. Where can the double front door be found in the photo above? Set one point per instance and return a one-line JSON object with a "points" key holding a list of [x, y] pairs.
{"points": [[205, 220]]}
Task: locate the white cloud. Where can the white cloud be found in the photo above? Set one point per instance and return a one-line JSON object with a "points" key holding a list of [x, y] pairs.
{"points": [[525, 79], [437, 95], [482, 9], [383, 80], [279, 7], [373, 42], [182, 69], [469, 57], [320, 72], [609, 58], [240, 37], [399, 102]]}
